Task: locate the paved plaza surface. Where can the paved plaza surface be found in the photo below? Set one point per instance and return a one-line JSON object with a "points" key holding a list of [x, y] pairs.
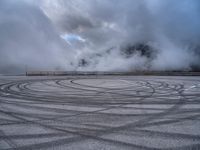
{"points": [[100, 113]]}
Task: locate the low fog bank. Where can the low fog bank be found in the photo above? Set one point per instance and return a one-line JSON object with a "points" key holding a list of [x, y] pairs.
{"points": [[99, 35], [28, 39]]}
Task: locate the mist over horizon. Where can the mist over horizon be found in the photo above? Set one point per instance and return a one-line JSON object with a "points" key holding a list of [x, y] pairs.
{"points": [[99, 35]]}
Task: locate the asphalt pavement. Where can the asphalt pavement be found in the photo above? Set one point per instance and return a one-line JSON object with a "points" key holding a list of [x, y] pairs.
{"points": [[100, 112]]}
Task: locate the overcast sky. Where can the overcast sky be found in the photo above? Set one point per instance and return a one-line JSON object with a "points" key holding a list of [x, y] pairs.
{"points": [[91, 35]]}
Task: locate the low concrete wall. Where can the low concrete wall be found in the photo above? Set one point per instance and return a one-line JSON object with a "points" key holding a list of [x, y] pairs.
{"points": [[57, 73], [65, 73]]}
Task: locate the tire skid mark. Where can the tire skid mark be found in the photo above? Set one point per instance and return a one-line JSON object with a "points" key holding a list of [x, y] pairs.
{"points": [[146, 90]]}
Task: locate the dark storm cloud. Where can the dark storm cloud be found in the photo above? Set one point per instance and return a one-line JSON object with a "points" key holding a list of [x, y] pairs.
{"points": [[100, 31], [170, 27], [74, 22]]}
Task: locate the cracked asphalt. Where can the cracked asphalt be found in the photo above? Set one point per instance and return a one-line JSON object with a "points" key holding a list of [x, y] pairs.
{"points": [[100, 113]]}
